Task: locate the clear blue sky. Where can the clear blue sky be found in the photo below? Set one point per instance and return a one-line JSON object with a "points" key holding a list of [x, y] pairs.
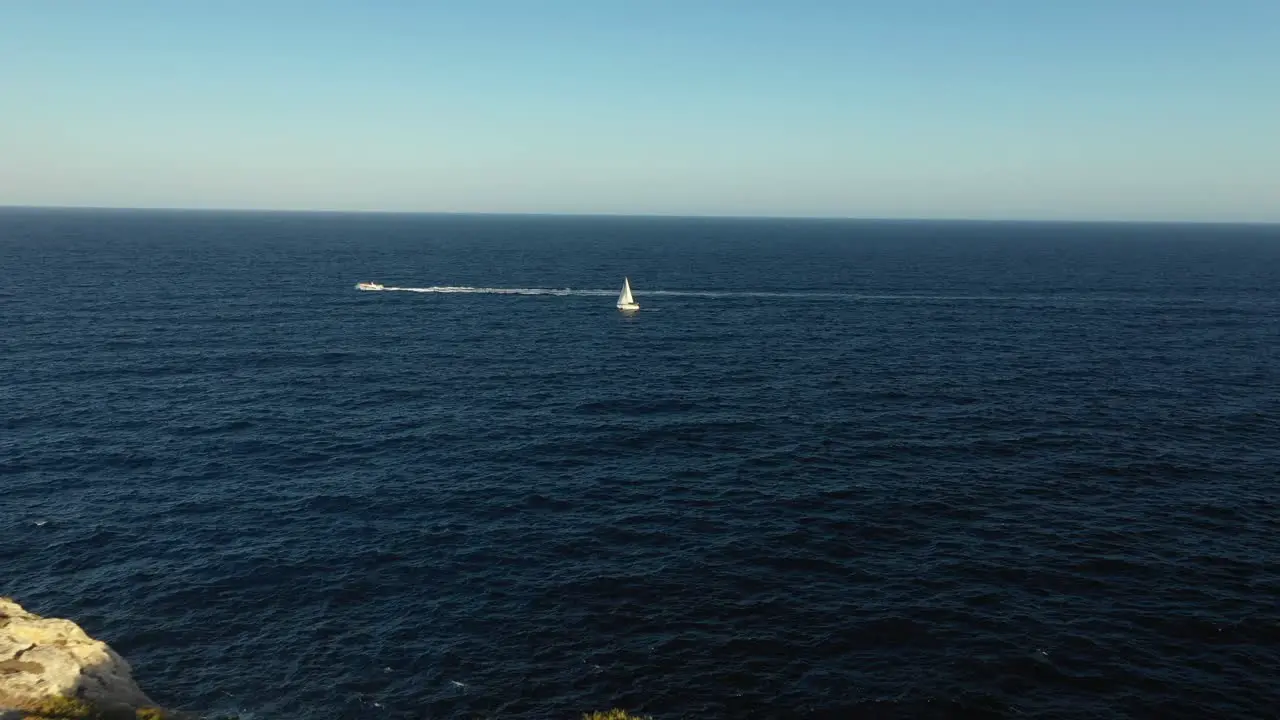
{"points": [[1091, 109]]}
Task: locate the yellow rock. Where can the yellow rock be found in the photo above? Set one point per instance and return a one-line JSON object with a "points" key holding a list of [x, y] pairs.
{"points": [[43, 659]]}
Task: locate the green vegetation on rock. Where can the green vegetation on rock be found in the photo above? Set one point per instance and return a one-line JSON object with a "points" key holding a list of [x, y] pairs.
{"points": [[614, 714], [65, 708]]}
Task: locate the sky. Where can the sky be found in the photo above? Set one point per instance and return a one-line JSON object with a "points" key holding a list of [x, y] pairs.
{"points": [[986, 109]]}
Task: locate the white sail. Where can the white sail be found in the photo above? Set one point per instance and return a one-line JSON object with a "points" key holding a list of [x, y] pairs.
{"points": [[625, 301]]}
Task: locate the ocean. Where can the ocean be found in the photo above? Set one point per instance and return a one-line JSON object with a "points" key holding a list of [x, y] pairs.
{"points": [[830, 469]]}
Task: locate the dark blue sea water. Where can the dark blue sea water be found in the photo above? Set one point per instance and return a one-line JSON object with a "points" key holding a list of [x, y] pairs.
{"points": [[830, 469]]}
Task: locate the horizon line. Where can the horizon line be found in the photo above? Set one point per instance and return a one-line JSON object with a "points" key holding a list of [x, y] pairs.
{"points": [[636, 215]]}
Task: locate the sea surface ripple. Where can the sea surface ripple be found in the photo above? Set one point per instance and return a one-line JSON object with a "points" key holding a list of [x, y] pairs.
{"points": [[830, 469]]}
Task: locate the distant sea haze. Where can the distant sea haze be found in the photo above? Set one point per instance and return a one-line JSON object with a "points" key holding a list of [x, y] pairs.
{"points": [[829, 469]]}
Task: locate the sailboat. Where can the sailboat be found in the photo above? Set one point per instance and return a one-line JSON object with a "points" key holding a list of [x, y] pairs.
{"points": [[625, 301]]}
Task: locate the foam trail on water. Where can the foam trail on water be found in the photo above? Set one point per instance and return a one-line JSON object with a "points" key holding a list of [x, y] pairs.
{"points": [[772, 294], [498, 291], [613, 292], [468, 289]]}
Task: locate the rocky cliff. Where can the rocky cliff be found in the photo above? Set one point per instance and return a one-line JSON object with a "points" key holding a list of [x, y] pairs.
{"points": [[49, 667]]}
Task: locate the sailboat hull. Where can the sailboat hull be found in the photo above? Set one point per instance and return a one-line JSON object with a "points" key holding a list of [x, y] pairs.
{"points": [[628, 307]]}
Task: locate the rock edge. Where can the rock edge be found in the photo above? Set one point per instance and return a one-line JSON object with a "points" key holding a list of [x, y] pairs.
{"points": [[45, 662]]}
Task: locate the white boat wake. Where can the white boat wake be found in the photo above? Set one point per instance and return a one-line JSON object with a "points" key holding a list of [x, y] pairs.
{"points": [[563, 292], [611, 293], [497, 291], [1069, 299]]}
